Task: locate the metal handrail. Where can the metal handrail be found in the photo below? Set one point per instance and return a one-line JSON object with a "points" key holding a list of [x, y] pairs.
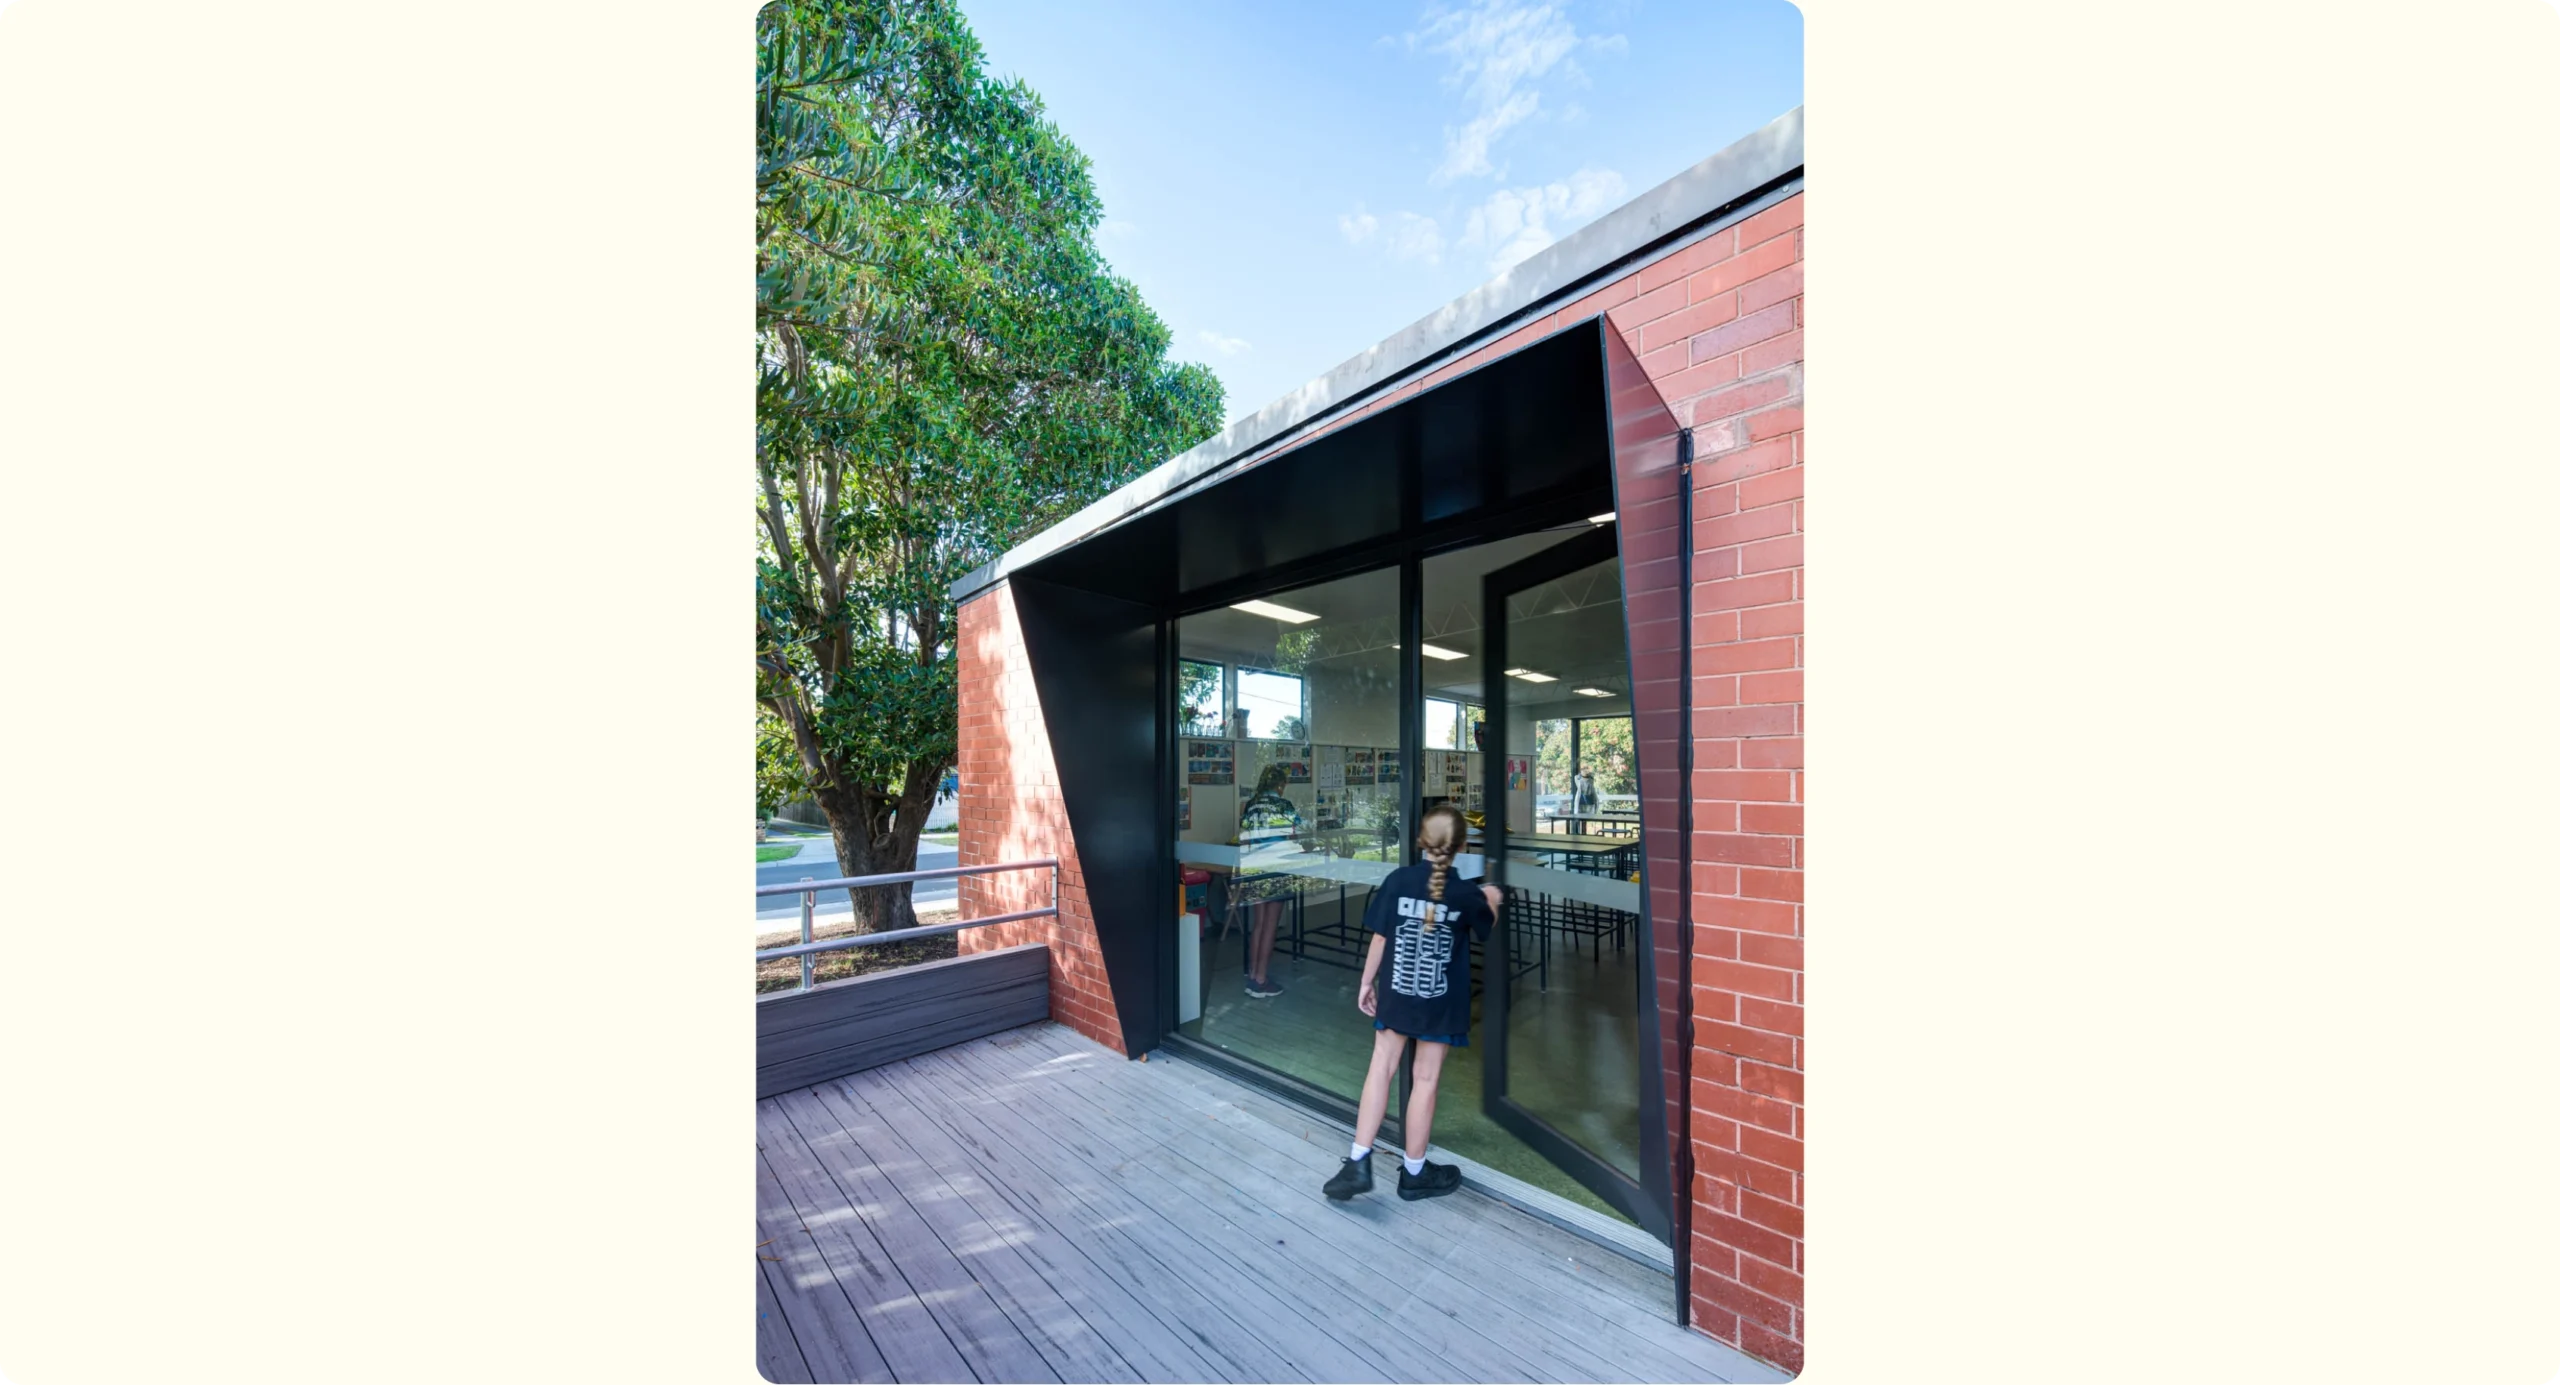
{"points": [[807, 949], [937, 873]]}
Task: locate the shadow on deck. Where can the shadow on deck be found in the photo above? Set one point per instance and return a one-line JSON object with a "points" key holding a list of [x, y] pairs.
{"points": [[1032, 1207]]}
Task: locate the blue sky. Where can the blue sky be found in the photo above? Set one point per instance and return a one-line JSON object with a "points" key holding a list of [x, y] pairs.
{"points": [[1289, 181]]}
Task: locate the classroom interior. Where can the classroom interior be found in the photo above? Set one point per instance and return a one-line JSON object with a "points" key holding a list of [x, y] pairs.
{"points": [[1307, 680]]}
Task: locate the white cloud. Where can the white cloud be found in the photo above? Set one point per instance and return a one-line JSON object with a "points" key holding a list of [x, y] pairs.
{"points": [[1470, 151], [1516, 223], [1498, 50], [1401, 235], [1226, 346]]}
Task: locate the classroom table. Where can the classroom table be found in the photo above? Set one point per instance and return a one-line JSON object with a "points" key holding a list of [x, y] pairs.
{"points": [[1343, 942], [1582, 855], [1575, 822], [1587, 854]]}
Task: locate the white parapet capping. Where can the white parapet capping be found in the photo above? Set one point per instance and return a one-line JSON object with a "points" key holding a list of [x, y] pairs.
{"points": [[1620, 240]]}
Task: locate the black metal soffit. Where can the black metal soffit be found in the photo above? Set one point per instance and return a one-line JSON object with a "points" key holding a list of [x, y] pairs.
{"points": [[1528, 430]]}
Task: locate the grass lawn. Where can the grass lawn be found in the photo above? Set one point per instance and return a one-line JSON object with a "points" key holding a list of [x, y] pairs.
{"points": [[783, 852]]}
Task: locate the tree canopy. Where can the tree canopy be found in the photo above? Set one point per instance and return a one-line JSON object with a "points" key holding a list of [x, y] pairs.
{"points": [[944, 365]]}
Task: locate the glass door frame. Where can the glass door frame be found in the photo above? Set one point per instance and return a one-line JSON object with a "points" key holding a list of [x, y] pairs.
{"points": [[1645, 1199], [1405, 560], [1405, 555]]}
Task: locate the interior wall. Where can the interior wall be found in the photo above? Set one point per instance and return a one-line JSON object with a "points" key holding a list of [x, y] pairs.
{"points": [[1351, 705]]}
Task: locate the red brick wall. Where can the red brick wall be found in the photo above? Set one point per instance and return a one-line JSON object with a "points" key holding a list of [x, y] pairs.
{"points": [[1010, 811], [1719, 328]]}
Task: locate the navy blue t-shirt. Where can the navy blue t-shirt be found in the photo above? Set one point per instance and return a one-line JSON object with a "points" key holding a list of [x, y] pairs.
{"points": [[1422, 982]]}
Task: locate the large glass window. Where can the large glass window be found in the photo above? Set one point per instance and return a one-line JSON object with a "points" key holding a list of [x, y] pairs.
{"points": [[1448, 725], [1271, 706], [1204, 699], [1287, 815], [1555, 770], [1609, 758], [1574, 1075], [1285, 818], [1573, 986]]}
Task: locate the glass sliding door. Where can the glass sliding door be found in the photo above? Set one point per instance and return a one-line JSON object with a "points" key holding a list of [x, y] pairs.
{"points": [[1526, 769], [1562, 1045], [1287, 798], [1292, 781]]}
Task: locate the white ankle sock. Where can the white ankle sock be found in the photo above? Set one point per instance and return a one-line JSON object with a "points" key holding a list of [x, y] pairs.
{"points": [[1414, 1167], [1359, 1151]]}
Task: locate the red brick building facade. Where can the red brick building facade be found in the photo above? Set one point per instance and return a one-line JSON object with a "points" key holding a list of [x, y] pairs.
{"points": [[1717, 323]]}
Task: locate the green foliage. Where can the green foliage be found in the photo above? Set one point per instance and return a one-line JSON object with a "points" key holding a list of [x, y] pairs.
{"points": [[1203, 697], [944, 366], [1555, 756], [780, 776], [1608, 753], [1295, 649]]}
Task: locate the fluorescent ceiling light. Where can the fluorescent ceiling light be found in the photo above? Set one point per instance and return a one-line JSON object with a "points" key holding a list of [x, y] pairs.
{"points": [[1605, 519], [1526, 676], [1595, 692], [1265, 608], [1433, 651]]}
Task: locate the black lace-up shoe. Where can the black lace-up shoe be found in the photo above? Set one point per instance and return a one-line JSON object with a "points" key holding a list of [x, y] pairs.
{"points": [[1437, 1180], [1351, 1180]]}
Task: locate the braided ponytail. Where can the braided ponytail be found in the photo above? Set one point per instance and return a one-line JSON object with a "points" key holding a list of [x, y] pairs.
{"points": [[1440, 848]]}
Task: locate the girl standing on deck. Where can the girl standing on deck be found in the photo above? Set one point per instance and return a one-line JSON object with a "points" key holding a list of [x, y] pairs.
{"points": [[1416, 915]]}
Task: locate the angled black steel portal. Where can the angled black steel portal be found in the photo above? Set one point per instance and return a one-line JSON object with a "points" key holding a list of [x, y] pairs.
{"points": [[1643, 1194], [1094, 659], [1503, 449], [1506, 447]]}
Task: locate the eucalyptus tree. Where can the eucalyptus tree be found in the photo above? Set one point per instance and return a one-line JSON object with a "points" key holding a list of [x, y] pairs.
{"points": [[944, 365]]}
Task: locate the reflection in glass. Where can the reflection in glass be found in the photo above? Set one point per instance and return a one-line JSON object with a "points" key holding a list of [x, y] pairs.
{"points": [[1573, 1040], [1284, 822], [1573, 984], [1289, 791], [1204, 699]]}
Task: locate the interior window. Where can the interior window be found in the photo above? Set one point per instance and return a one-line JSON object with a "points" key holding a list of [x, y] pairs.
{"points": [[1204, 698], [1270, 706]]}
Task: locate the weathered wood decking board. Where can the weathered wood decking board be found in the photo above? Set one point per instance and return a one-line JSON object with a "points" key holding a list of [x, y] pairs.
{"points": [[805, 1037], [1029, 1206]]}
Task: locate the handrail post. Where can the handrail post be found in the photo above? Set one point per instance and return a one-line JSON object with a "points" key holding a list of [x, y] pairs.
{"points": [[1057, 906], [808, 926]]}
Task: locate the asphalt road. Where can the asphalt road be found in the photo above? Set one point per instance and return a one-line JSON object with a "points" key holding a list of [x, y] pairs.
{"points": [[817, 861]]}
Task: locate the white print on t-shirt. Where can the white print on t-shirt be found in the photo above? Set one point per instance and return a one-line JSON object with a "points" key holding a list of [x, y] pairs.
{"points": [[1409, 907], [1422, 958]]}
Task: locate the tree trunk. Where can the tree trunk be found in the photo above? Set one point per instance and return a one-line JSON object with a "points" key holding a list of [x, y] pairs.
{"points": [[859, 851], [877, 836]]}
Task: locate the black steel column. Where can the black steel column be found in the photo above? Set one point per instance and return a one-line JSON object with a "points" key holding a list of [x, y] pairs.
{"points": [[1684, 1162], [1408, 765], [1168, 787]]}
